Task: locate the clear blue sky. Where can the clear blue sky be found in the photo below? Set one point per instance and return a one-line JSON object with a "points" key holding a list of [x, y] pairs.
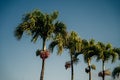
{"points": [[98, 19]]}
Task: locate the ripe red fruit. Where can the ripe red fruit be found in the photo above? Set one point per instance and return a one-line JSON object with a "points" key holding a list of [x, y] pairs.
{"points": [[44, 54]]}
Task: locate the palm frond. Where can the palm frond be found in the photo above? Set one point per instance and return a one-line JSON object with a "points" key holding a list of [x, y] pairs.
{"points": [[84, 42], [18, 32], [60, 28], [91, 42], [114, 55], [117, 50], [35, 36], [116, 72], [54, 15], [52, 45], [108, 46]]}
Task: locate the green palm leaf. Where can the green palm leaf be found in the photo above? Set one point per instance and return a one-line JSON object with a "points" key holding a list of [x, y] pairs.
{"points": [[116, 72]]}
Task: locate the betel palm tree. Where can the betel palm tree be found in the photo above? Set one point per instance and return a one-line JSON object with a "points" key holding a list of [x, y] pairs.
{"points": [[72, 42], [89, 51], [40, 25], [106, 53], [116, 72]]}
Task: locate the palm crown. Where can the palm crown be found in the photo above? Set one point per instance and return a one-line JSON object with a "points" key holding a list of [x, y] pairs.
{"points": [[106, 52], [38, 24]]}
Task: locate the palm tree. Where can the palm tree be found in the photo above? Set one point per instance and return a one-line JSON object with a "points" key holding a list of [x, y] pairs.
{"points": [[116, 72], [38, 24], [89, 51], [106, 53], [72, 42]]}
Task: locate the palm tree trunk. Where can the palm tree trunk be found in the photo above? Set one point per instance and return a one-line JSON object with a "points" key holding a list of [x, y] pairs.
{"points": [[72, 68], [44, 44], [42, 70], [90, 74], [43, 60], [103, 67]]}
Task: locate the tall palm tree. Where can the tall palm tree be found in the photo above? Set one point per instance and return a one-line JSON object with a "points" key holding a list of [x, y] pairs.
{"points": [[72, 42], [106, 53], [38, 24], [89, 51], [116, 72]]}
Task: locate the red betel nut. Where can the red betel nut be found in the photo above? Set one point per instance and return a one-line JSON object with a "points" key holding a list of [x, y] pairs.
{"points": [[44, 54]]}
